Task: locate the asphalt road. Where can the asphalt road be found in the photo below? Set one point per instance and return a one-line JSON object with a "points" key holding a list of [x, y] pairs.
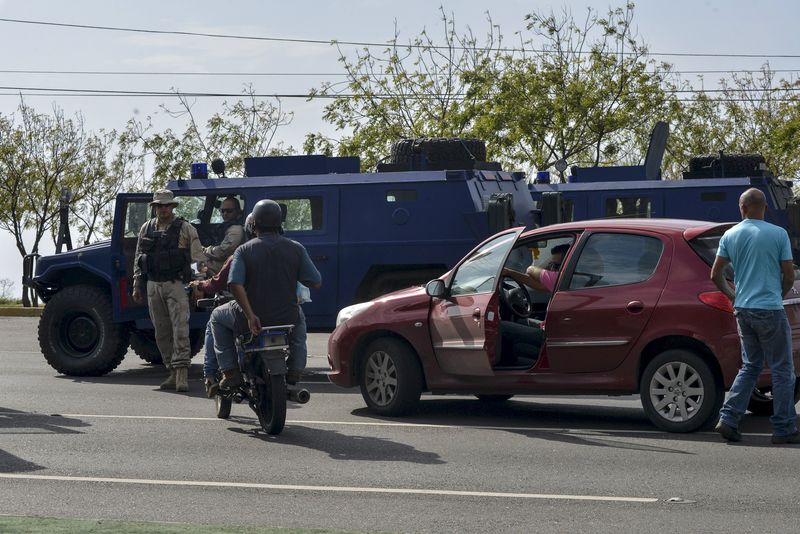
{"points": [[116, 447]]}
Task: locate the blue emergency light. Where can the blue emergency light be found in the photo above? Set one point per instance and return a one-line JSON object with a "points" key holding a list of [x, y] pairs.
{"points": [[199, 171]]}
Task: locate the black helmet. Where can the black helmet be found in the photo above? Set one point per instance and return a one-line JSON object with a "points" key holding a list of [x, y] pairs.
{"points": [[249, 228], [267, 215]]}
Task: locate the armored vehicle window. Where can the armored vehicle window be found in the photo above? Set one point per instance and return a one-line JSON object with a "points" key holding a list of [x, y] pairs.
{"points": [[137, 214], [628, 207], [714, 196], [401, 195], [190, 208], [302, 214]]}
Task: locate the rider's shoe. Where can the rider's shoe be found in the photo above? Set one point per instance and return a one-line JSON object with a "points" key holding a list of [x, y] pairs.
{"points": [[231, 378], [169, 383], [212, 386], [182, 379], [293, 376]]}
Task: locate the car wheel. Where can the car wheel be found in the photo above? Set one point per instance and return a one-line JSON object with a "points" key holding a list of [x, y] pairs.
{"points": [[679, 392], [493, 398], [391, 377], [78, 335], [761, 400]]}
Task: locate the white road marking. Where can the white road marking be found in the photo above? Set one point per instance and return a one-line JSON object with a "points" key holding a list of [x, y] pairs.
{"points": [[331, 489]]}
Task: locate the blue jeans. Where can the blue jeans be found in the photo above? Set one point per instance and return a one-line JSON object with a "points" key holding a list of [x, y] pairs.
{"points": [[765, 335], [298, 350], [226, 320], [223, 327]]}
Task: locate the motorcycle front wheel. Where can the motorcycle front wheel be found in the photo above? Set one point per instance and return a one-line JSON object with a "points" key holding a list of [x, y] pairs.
{"points": [[271, 402]]}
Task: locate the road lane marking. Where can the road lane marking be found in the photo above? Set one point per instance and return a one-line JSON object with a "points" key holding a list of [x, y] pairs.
{"points": [[331, 489]]}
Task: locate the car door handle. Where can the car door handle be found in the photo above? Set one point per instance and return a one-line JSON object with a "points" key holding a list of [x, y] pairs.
{"points": [[635, 306], [319, 258], [476, 314]]}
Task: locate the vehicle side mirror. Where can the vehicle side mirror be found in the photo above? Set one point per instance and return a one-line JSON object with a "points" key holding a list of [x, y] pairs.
{"points": [[436, 288]]}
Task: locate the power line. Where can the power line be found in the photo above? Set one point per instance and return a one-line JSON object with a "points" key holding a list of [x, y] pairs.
{"points": [[360, 43], [338, 95], [342, 74]]}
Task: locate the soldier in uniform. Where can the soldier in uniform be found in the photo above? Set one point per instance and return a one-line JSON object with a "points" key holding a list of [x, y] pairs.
{"points": [[164, 253], [233, 236]]}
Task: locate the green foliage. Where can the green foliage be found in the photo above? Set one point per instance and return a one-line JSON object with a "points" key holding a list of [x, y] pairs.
{"points": [[245, 128]]}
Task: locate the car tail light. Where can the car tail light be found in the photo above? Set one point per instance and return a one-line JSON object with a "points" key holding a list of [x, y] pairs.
{"points": [[716, 299]]}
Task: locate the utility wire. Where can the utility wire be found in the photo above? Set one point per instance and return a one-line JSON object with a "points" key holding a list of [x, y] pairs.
{"points": [[342, 74], [362, 43], [131, 92]]}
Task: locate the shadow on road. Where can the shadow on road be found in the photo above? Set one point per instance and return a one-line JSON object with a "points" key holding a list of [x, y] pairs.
{"points": [[146, 375], [17, 422], [589, 425], [345, 447]]}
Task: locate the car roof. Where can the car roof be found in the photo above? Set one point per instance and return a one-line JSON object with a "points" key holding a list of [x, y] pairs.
{"points": [[687, 227]]}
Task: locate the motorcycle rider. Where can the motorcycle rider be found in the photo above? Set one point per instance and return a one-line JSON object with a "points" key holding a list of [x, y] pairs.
{"points": [[263, 279], [164, 253]]}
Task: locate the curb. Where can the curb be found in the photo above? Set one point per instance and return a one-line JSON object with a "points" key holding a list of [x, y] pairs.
{"points": [[19, 311]]}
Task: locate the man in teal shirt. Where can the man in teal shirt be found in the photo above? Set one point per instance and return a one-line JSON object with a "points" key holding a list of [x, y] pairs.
{"points": [[763, 273]]}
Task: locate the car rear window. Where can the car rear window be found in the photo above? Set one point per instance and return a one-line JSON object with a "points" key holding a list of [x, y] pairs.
{"points": [[706, 246]]}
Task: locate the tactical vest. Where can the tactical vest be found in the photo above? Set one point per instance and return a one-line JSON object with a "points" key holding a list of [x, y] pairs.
{"points": [[162, 260], [272, 265]]}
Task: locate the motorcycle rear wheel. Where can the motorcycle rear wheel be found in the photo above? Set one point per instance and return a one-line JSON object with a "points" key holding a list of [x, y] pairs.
{"points": [[271, 402]]}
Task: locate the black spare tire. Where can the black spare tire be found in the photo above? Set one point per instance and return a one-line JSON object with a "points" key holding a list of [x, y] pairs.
{"points": [[438, 150], [78, 335]]}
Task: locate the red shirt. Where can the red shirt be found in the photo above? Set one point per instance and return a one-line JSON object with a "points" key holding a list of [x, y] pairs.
{"points": [[219, 282]]}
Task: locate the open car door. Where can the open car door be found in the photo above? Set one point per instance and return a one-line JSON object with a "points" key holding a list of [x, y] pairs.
{"points": [[464, 321]]}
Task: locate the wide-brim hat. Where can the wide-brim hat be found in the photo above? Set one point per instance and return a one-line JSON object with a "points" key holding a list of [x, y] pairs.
{"points": [[164, 197]]}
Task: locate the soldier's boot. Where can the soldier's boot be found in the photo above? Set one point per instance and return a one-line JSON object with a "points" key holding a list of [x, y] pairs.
{"points": [[212, 386], [182, 379], [169, 383], [231, 378]]}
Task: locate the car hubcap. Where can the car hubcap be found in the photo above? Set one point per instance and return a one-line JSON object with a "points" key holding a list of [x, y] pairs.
{"points": [[381, 378], [676, 392]]}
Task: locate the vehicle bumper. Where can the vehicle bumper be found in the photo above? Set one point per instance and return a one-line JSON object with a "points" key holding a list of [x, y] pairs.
{"points": [[340, 357]]}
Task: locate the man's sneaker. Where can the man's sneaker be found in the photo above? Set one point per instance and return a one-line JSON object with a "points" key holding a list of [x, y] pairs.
{"points": [[729, 433], [212, 386], [790, 438]]}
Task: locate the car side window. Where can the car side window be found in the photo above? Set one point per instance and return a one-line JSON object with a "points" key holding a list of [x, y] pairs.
{"points": [[616, 259], [478, 272]]}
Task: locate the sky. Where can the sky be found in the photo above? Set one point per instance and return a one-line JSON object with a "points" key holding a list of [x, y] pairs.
{"points": [[674, 27]]}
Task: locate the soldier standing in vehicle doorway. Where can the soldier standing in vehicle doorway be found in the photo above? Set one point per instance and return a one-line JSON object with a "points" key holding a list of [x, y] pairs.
{"points": [[164, 253]]}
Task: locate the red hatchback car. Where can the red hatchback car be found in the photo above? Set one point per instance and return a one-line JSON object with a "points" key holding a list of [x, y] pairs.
{"points": [[632, 310]]}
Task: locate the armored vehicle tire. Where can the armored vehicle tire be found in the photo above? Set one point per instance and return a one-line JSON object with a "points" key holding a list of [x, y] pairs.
{"points": [[78, 335], [679, 392], [761, 400], [143, 343], [438, 149], [735, 164], [390, 378]]}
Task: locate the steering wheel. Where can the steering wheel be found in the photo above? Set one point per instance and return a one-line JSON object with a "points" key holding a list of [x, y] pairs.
{"points": [[516, 297]]}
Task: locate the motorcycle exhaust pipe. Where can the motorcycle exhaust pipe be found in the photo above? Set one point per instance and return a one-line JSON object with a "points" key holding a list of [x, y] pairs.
{"points": [[300, 396]]}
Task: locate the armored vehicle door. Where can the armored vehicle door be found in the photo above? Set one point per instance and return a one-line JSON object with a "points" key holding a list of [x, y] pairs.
{"points": [[131, 211], [312, 219]]}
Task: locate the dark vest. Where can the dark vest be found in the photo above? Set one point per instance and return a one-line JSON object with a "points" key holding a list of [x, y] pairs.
{"points": [[272, 265], [162, 260]]}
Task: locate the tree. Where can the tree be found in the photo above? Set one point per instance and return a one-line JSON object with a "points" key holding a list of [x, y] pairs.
{"points": [[578, 92], [39, 155], [419, 89], [246, 128]]}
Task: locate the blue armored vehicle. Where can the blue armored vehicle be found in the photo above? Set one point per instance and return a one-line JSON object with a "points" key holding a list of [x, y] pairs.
{"points": [[367, 233]]}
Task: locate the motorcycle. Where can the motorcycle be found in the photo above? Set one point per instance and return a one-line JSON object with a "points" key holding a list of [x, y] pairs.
{"points": [[262, 360]]}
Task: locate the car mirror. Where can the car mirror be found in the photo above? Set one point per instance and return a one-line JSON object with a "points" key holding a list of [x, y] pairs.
{"points": [[436, 288]]}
